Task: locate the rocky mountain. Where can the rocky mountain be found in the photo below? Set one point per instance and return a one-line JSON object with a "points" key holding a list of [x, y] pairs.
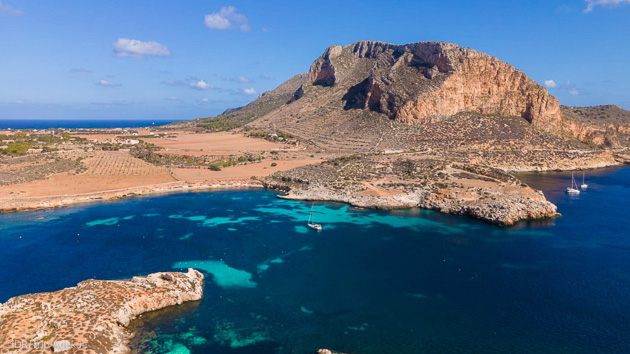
{"points": [[370, 96], [373, 95]]}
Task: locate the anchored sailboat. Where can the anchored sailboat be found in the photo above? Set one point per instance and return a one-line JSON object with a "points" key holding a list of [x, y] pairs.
{"points": [[584, 185], [312, 225], [574, 188]]}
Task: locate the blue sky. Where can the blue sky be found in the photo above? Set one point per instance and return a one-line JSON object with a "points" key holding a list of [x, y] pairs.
{"points": [[186, 59]]}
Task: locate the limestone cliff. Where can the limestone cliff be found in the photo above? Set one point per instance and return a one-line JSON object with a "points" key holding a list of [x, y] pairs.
{"points": [[607, 125], [418, 82], [91, 317], [370, 96]]}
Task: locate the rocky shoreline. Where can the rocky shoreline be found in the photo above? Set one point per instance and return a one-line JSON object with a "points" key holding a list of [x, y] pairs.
{"points": [[395, 182], [93, 316], [481, 192], [506, 210]]}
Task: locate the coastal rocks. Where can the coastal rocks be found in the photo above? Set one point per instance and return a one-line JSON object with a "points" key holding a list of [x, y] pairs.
{"points": [[394, 182], [93, 316]]}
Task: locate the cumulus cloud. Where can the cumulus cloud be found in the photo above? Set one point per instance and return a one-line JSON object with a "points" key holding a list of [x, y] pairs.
{"points": [[590, 4], [200, 85], [574, 92], [265, 76], [227, 18], [10, 10], [249, 91], [107, 83], [550, 84], [125, 47], [195, 83]]}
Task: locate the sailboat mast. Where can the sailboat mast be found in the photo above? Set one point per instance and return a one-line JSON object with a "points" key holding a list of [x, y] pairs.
{"points": [[310, 214]]}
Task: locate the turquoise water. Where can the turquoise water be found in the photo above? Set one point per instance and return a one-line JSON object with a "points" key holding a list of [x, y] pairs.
{"points": [[405, 281]]}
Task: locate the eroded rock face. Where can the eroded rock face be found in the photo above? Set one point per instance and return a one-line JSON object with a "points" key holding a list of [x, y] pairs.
{"points": [[92, 316], [323, 71], [424, 81], [607, 125]]}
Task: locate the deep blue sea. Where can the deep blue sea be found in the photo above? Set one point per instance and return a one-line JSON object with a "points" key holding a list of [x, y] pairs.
{"points": [[409, 281], [78, 123]]}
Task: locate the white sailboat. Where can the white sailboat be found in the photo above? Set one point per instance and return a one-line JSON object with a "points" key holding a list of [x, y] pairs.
{"points": [[584, 185], [312, 225], [573, 189]]}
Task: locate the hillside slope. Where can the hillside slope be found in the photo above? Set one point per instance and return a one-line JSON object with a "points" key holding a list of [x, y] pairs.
{"points": [[370, 96]]}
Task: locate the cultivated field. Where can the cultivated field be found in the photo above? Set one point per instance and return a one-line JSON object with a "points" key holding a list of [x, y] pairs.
{"points": [[113, 163]]}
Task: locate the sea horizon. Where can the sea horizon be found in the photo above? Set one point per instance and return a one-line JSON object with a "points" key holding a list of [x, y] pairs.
{"points": [[79, 123]]}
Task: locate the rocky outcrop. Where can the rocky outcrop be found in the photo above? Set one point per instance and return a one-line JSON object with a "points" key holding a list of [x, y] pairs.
{"points": [[395, 182], [607, 126], [420, 82], [91, 317]]}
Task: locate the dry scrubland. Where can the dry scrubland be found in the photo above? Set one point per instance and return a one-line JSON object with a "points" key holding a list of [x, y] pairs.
{"points": [[110, 163]]}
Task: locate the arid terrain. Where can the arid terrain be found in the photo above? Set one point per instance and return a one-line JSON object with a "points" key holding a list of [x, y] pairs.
{"points": [[381, 104], [89, 165], [91, 317]]}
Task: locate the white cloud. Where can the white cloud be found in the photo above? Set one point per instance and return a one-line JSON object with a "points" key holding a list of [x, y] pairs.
{"points": [[10, 10], [551, 84], [265, 76], [574, 92], [200, 85], [172, 99], [590, 4], [243, 79], [250, 91], [195, 83], [227, 18], [107, 83], [125, 47], [204, 100]]}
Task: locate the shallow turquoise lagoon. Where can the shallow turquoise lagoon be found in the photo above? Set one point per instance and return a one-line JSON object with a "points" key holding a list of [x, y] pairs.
{"points": [[404, 281]]}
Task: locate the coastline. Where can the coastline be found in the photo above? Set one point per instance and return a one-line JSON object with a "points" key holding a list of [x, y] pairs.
{"points": [[505, 211], [15, 205], [93, 316]]}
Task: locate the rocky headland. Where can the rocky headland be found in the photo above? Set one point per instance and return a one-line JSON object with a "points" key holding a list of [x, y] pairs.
{"points": [[93, 316], [407, 181]]}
